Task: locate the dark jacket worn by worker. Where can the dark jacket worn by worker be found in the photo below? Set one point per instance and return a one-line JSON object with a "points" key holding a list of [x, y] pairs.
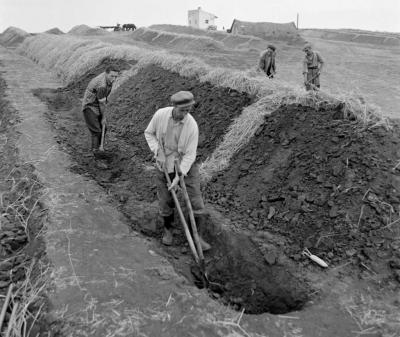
{"points": [[267, 62]]}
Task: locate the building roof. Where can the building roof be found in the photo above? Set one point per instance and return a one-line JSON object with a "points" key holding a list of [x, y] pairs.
{"points": [[200, 10]]}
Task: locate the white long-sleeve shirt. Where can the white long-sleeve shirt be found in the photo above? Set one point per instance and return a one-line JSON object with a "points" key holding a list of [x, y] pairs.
{"points": [[155, 134]]}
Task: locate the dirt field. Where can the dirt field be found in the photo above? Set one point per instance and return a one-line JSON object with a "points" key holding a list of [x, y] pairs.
{"points": [[332, 190], [307, 179]]}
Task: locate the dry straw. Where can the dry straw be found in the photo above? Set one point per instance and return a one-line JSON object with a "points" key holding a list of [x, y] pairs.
{"points": [[180, 40], [71, 57]]}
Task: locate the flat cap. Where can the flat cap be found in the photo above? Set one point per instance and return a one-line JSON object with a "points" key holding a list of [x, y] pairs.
{"points": [[307, 46], [182, 98], [271, 46]]}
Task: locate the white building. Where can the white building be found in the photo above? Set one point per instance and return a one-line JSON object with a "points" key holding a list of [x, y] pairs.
{"points": [[198, 18]]}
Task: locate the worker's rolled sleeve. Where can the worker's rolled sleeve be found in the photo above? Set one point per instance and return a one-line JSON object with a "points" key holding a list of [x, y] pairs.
{"points": [[189, 156], [151, 135], [188, 140]]}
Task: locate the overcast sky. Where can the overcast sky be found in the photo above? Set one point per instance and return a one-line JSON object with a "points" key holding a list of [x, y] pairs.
{"points": [[40, 15]]}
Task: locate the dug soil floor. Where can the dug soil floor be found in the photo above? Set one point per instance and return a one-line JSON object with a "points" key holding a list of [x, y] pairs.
{"points": [[308, 179]]}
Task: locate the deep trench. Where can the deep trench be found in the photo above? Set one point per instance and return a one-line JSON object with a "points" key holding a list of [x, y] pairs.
{"points": [[241, 277], [238, 273]]}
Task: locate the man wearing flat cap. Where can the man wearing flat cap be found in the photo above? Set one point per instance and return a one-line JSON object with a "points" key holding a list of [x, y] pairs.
{"points": [[173, 133], [267, 61], [312, 67]]}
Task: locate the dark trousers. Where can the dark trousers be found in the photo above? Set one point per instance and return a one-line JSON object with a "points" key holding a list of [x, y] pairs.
{"points": [[192, 182], [312, 79], [93, 122], [269, 72]]}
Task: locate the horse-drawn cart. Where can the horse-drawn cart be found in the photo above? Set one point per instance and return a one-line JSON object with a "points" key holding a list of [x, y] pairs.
{"points": [[118, 27]]}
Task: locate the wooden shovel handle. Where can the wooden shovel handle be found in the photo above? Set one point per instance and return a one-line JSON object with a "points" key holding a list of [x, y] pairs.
{"points": [[190, 209], [181, 216], [103, 132]]}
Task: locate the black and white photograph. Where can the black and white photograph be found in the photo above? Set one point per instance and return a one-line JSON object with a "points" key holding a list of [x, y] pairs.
{"points": [[199, 168]]}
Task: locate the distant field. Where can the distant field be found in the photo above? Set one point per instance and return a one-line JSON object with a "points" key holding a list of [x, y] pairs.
{"points": [[354, 35], [370, 70]]}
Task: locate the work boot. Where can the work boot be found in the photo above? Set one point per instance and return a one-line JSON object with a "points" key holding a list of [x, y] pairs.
{"points": [[200, 221], [167, 236]]}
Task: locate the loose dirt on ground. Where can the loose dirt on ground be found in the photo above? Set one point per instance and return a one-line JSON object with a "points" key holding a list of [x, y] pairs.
{"points": [[288, 189], [323, 182], [308, 179], [131, 109]]}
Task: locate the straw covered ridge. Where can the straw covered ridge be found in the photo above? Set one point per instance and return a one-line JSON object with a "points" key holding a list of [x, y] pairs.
{"points": [[71, 57], [13, 36], [182, 41]]}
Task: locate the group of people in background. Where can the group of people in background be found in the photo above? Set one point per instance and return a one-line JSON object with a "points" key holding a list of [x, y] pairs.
{"points": [[312, 65]]}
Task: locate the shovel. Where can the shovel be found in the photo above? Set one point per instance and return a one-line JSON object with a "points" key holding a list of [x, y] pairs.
{"points": [[182, 217], [179, 209], [103, 132], [309, 82], [201, 262]]}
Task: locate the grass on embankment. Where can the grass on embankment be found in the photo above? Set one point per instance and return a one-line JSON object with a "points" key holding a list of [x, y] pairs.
{"points": [[71, 57]]}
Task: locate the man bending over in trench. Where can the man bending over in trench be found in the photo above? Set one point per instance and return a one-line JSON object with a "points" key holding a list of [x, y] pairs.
{"points": [[173, 133], [94, 104]]}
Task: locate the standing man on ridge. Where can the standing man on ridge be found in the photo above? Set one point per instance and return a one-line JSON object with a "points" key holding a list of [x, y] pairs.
{"points": [[312, 67], [173, 133], [95, 102], [267, 61]]}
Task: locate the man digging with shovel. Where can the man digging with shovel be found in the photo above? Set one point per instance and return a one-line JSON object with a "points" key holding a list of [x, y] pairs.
{"points": [[312, 67], [173, 134], [94, 109]]}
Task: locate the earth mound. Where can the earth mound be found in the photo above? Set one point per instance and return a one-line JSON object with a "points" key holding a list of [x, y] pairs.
{"points": [[178, 41], [324, 183], [86, 30], [236, 271], [134, 104], [130, 110], [268, 30], [13, 36], [55, 31], [229, 41]]}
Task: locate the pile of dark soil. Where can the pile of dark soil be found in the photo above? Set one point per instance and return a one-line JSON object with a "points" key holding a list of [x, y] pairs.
{"points": [[22, 215], [79, 86], [134, 105], [323, 183], [238, 271], [130, 110]]}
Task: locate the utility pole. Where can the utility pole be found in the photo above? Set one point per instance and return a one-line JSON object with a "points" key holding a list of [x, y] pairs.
{"points": [[297, 21]]}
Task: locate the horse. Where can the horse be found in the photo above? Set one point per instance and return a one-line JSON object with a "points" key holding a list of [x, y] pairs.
{"points": [[128, 26]]}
